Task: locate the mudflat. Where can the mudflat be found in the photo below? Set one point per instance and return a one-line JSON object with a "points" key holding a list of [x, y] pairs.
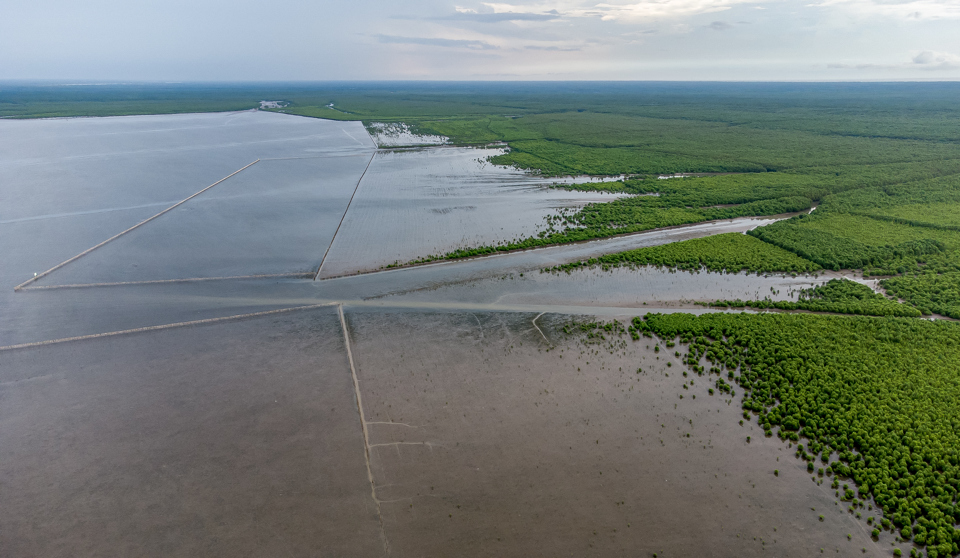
{"points": [[489, 434], [484, 443], [236, 439]]}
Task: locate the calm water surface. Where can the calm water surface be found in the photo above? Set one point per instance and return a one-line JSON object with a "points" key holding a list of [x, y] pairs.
{"points": [[69, 184]]}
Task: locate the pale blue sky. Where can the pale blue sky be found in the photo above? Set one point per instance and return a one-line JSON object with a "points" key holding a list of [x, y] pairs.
{"points": [[466, 39]]}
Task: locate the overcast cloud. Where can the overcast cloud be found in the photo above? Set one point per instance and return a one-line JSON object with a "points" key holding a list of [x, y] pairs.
{"points": [[202, 40]]}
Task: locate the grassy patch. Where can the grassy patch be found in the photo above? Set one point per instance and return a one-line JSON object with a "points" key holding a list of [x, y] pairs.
{"points": [[613, 140], [875, 232]]}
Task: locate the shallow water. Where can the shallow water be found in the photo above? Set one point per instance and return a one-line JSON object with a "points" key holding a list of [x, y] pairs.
{"points": [[421, 202], [622, 287], [210, 439], [69, 184], [491, 283], [473, 437], [123, 138], [46, 311], [69, 176], [277, 216], [188, 442]]}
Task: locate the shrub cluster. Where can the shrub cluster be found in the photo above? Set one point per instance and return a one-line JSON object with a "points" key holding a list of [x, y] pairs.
{"points": [[929, 292], [873, 399], [841, 252]]}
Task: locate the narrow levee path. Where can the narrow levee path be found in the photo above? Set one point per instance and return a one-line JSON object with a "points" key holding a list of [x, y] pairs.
{"points": [[344, 216], [609, 243], [363, 425]]}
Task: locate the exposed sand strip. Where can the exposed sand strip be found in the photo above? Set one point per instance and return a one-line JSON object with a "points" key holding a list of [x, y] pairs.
{"points": [[118, 235], [538, 327], [586, 249]]}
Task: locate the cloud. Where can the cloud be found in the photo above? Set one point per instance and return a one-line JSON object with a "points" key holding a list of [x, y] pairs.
{"points": [[925, 60], [638, 11], [837, 66], [437, 42], [665, 9], [720, 26], [929, 60], [897, 9], [552, 48], [465, 14]]}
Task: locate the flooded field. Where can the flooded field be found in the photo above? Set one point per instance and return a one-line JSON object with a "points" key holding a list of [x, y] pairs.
{"points": [[408, 412], [503, 282], [277, 216], [421, 202], [63, 179]]}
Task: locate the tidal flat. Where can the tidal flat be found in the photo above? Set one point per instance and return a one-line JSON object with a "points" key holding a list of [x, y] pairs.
{"points": [[190, 388], [239, 439], [487, 433]]}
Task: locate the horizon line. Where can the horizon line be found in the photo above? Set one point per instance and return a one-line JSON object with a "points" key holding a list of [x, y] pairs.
{"points": [[56, 82]]}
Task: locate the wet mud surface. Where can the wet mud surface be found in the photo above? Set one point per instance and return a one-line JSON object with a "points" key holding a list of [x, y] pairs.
{"points": [[240, 439], [484, 443]]}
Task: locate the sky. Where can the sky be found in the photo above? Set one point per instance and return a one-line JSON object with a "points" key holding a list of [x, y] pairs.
{"points": [[240, 40]]}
